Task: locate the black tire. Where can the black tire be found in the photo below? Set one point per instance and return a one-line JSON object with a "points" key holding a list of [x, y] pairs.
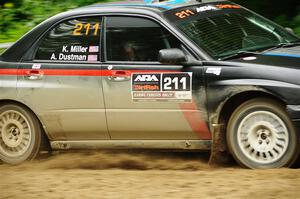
{"points": [[260, 134], [20, 134]]}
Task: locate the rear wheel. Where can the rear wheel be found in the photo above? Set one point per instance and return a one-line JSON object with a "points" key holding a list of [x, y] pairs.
{"points": [[260, 134], [20, 134]]}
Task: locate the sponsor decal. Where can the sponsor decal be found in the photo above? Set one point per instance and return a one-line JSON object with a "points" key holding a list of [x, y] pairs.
{"points": [[36, 66], [186, 13], [228, 6], [214, 70], [161, 87], [146, 82], [110, 67], [216, 7], [206, 8]]}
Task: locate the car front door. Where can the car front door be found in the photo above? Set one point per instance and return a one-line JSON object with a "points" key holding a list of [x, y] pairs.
{"points": [[63, 84], [145, 99]]}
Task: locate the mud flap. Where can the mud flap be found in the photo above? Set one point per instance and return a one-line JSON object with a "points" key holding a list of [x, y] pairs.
{"points": [[218, 155]]}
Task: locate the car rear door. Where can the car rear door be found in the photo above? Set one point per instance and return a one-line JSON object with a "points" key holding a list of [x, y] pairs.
{"points": [[145, 99], [62, 83]]}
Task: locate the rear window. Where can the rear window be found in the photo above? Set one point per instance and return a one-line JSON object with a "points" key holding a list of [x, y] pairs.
{"points": [[73, 40]]}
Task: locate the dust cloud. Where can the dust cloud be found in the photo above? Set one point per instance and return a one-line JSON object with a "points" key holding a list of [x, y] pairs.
{"points": [[128, 160], [142, 175]]}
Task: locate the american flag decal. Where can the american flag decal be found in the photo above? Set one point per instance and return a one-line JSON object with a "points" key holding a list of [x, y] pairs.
{"points": [[92, 57], [94, 49]]}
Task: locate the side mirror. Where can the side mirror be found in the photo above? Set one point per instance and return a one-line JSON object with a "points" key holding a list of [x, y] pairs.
{"points": [[177, 57], [172, 56]]}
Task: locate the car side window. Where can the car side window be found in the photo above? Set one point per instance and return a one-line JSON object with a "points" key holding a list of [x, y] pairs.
{"points": [[136, 39], [73, 40]]}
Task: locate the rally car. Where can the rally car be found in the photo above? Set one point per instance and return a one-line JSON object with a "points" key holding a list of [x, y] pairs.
{"points": [[178, 75]]}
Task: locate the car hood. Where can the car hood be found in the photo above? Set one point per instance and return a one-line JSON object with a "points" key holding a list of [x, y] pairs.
{"points": [[283, 57]]}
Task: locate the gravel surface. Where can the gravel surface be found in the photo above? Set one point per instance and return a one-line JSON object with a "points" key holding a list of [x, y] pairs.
{"points": [[142, 175]]}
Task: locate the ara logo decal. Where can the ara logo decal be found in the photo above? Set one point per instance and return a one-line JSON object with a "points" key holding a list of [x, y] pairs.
{"points": [[146, 78], [206, 8]]}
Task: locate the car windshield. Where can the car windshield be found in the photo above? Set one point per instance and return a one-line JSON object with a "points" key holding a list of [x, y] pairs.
{"points": [[227, 29]]}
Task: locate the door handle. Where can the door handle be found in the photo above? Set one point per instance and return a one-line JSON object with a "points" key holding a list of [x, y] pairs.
{"points": [[34, 75], [119, 76]]}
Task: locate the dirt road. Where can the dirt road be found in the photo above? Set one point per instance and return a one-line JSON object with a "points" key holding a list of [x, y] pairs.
{"points": [[142, 175]]}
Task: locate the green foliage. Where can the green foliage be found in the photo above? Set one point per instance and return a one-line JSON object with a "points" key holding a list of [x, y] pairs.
{"points": [[291, 22], [18, 17], [285, 13], [296, 24], [1, 50]]}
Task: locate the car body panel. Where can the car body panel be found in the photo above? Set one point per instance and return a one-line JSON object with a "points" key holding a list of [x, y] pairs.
{"points": [[67, 101], [279, 79], [128, 119], [8, 81]]}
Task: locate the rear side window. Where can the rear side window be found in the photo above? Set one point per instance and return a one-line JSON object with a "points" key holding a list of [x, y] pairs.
{"points": [[73, 40], [136, 39]]}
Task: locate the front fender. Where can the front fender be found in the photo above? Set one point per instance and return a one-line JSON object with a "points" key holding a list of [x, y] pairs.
{"points": [[219, 93]]}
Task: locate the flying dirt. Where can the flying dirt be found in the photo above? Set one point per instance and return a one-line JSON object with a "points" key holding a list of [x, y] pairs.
{"points": [[131, 174]]}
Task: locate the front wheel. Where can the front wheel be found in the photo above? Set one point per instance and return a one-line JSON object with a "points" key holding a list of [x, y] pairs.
{"points": [[260, 134], [20, 134]]}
